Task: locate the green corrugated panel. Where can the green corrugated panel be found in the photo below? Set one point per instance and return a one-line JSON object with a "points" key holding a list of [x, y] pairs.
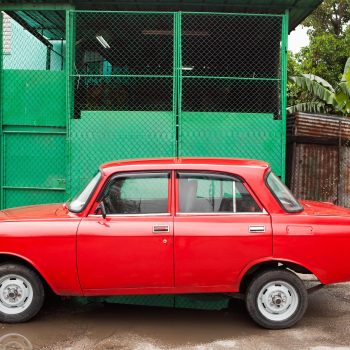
{"points": [[34, 98], [99, 137], [243, 135]]}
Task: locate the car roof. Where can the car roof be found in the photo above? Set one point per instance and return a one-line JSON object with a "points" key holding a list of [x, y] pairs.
{"points": [[186, 161]]}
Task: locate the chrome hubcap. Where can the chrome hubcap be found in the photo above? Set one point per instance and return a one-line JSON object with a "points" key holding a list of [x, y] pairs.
{"points": [[16, 294], [278, 301]]}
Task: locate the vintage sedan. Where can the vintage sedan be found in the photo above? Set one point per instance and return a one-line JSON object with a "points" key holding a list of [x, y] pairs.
{"points": [[175, 226]]}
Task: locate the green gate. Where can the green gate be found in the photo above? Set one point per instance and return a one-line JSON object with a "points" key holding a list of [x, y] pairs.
{"points": [[177, 84], [124, 89], [231, 101]]}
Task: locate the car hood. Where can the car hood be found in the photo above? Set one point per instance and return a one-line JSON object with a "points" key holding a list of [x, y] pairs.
{"points": [[324, 209], [34, 212]]}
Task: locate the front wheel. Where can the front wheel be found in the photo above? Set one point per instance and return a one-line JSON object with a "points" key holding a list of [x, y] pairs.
{"points": [[276, 299], [21, 293]]}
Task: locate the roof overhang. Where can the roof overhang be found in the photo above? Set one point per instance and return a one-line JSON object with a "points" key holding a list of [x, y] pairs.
{"points": [[298, 9]]}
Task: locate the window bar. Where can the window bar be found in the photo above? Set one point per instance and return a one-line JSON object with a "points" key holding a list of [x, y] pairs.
{"points": [[234, 196]]}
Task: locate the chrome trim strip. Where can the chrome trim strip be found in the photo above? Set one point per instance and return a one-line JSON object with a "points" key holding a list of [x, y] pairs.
{"points": [[221, 214], [234, 197], [129, 215]]}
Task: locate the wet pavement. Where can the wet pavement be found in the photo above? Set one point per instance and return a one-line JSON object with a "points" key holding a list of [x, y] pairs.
{"points": [[66, 325]]}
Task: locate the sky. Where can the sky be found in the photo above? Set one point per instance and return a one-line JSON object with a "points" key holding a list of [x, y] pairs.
{"points": [[297, 39]]}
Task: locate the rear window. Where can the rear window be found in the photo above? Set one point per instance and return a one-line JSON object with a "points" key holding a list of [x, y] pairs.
{"points": [[282, 194], [214, 193]]}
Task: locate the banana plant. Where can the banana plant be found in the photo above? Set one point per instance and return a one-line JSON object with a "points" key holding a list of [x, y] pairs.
{"points": [[323, 97]]}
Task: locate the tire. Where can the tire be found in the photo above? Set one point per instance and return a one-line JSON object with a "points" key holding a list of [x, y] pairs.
{"points": [[276, 299], [21, 293]]}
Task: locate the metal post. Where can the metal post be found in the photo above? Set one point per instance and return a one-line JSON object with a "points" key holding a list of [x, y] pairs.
{"points": [[284, 64], [70, 34], [2, 160], [340, 180], [175, 83], [179, 82], [48, 58]]}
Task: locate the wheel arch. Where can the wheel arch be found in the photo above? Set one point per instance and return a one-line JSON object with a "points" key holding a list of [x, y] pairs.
{"points": [[15, 258], [259, 266]]}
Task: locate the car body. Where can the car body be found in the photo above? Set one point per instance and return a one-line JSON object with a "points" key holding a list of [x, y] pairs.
{"points": [[178, 226]]}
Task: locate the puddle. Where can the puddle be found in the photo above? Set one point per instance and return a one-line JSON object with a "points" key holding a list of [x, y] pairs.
{"points": [[67, 325]]}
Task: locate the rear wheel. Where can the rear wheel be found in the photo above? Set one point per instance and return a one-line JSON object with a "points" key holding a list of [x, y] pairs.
{"points": [[21, 293], [276, 299]]}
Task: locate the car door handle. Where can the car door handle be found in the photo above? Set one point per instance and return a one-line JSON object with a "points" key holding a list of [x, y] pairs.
{"points": [[160, 228], [259, 228]]}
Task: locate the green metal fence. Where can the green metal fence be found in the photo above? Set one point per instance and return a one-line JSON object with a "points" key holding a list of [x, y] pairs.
{"points": [[187, 84], [84, 87]]}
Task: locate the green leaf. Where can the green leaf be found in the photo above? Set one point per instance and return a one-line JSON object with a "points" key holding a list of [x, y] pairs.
{"points": [[319, 80], [346, 72], [315, 89]]}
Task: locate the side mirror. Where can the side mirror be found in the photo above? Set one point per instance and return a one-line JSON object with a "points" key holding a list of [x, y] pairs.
{"points": [[101, 208]]}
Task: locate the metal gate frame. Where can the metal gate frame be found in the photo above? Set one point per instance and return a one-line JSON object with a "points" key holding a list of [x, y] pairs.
{"points": [[177, 78], [177, 71]]}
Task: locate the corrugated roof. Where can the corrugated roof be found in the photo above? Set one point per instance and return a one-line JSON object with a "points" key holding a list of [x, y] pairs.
{"points": [[299, 9]]}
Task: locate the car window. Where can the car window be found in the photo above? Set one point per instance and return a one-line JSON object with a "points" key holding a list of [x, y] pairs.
{"points": [[78, 202], [214, 193], [138, 194], [282, 194]]}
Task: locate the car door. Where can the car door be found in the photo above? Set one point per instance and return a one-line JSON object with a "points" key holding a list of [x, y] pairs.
{"points": [[219, 229], [133, 246]]}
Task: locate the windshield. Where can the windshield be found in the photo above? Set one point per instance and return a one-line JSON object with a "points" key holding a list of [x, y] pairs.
{"points": [[282, 193], [78, 203]]}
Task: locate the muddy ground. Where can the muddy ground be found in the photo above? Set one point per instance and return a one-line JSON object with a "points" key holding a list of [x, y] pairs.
{"points": [[67, 325]]}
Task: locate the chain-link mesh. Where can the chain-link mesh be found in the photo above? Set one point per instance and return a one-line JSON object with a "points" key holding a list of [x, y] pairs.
{"points": [[231, 79], [124, 61], [34, 110], [245, 50], [231, 45], [124, 86], [122, 94], [230, 95]]}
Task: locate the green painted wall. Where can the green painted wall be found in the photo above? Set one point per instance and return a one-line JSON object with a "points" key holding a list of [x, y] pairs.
{"points": [[221, 134], [99, 137]]}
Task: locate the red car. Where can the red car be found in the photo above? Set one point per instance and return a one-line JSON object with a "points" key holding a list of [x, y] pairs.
{"points": [[175, 226]]}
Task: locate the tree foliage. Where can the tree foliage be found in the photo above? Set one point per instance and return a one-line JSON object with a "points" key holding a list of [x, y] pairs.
{"points": [[325, 56], [332, 17], [320, 96]]}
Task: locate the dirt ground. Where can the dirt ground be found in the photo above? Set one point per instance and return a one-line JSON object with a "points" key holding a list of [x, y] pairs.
{"points": [[66, 325]]}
